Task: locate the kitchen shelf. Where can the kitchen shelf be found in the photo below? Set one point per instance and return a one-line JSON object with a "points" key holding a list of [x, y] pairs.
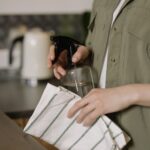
{"points": [[21, 7]]}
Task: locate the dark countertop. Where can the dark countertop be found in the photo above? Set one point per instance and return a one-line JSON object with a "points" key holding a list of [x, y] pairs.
{"points": [[13, 138], [18, 99]]}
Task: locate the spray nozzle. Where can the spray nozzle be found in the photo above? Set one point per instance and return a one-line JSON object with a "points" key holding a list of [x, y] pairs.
{"points": [[67, 44]]}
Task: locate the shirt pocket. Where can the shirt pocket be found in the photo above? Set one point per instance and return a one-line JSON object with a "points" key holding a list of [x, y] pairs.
{"points": [[137, 60], [139, 28], [139, 23], [137, 46]]}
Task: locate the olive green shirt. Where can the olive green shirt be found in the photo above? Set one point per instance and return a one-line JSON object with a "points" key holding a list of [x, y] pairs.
{"points": [[128, 58]]}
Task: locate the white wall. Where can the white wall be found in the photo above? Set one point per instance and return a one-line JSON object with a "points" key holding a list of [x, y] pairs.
{"points": [[44, 6]]}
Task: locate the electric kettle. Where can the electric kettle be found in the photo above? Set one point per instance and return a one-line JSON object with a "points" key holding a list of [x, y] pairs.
{"points": [[35, 49]]}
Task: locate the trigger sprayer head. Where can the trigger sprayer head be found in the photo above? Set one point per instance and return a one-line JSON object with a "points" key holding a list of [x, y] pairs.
{"points": [[65, 43]]}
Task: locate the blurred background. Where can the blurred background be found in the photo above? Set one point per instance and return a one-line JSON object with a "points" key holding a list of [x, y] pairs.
{"points": [[64, 17], [17, 17], [25, 29]]}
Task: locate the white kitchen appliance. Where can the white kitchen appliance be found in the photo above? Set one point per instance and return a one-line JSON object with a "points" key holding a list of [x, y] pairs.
{"points": [[35, 46]]}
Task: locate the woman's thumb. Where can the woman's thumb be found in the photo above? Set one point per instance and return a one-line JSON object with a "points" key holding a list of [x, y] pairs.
{"points": [[80, 54]]}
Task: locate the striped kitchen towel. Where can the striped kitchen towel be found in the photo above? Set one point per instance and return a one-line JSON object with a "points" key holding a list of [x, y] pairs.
{"points": [[50, 123]]}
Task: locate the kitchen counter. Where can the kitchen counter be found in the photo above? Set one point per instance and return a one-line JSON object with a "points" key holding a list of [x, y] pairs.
{"points": [[18, 99], [12, 137]]}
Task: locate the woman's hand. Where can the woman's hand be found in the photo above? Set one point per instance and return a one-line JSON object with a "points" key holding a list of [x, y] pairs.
{"points": [[58, 68], [102, 101]]}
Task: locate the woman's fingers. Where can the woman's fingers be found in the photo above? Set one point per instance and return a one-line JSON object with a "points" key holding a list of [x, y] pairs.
{"points": [[85, 111], [88, 114], [91, 118], [51, 56], [76, 107], [56, 74], [80, 54], [59, 71], [60, 64]]}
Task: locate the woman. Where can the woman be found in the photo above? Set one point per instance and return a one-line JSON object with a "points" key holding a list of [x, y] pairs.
{"points": [[119, 36]]}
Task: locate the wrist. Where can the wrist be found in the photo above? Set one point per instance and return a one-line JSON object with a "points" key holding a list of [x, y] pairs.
{"points": [[133, 96], [129, 95]]}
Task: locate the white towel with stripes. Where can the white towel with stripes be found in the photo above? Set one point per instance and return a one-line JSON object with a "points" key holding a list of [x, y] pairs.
{"points": [[50, 123]]}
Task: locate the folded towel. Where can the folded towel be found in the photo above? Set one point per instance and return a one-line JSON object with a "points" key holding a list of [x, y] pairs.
{"points": [[50, 123]]}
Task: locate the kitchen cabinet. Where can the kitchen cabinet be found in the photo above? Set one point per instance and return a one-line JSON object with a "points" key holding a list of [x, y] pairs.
{"points": [[44, 6]]}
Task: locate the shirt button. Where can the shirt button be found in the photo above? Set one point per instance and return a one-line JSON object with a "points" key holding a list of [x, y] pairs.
{"points": [[115, 29], [113, 60]]}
